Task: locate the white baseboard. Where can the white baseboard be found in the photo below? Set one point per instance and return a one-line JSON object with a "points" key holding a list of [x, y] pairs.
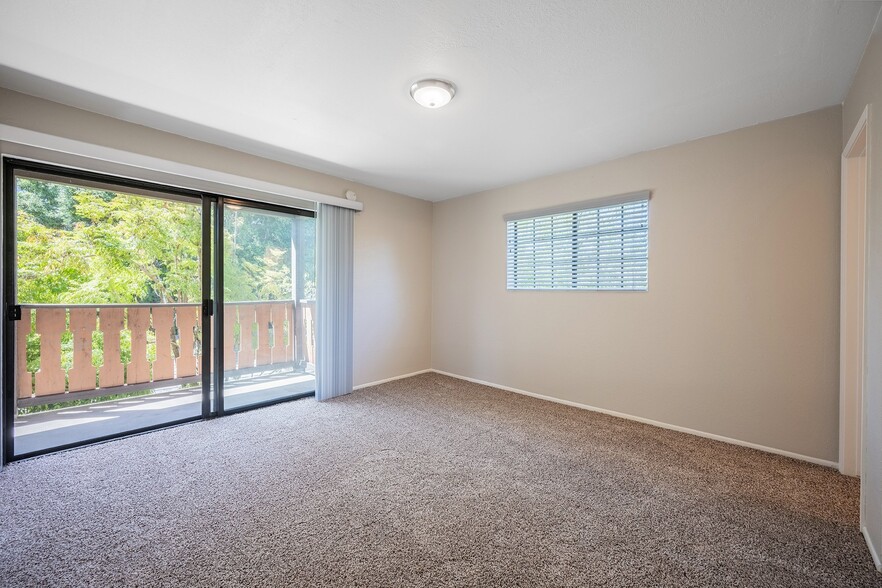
{"points": [[815, 460], [873, 551], [392, 379]]}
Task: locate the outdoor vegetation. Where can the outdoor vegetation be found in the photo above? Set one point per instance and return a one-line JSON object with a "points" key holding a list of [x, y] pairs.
{"points": [[83, 246], [78, 245]]}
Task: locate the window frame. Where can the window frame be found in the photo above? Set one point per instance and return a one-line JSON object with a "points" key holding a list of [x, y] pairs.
{"points": [[570, 219]]}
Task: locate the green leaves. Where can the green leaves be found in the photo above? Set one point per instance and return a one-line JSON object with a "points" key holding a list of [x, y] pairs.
{"points": [[51, 265], [83, 246], [103, 247]]}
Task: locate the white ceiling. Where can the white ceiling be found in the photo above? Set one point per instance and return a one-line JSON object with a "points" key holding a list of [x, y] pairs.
{"points": [[543, 85]]}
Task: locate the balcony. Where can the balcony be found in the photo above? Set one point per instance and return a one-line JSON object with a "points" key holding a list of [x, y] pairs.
{"points": [[87, 371]]}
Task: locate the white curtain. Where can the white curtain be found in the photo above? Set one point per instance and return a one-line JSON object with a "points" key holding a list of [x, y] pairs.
{"points": [[333, 337]]}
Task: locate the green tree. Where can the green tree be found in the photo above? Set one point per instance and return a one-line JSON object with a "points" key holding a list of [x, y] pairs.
{"points": [[146, 250], [51, 263], [82, 246], [49, 203], [257, 248]]}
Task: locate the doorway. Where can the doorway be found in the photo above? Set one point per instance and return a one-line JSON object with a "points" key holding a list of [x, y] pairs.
{"points": [[852, 288]]}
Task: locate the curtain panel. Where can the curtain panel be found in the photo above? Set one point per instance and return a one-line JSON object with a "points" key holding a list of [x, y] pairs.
{"points": [[334, 267]]}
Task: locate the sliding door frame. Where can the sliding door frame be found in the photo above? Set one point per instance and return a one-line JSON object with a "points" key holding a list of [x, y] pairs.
{"points": [[212, 276], [219, 295], [209, 306], [212, 308], [10, 166], [8, 331]]}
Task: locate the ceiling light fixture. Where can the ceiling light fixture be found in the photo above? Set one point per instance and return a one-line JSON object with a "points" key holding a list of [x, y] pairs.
{"points": [[432, 93]]}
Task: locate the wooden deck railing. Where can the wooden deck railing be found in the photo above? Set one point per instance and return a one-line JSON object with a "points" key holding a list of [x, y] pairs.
{"points": [[269, 334]]}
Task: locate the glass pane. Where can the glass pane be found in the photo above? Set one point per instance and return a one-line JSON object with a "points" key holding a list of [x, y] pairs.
{"points": [[109, 286], [269, 306]]}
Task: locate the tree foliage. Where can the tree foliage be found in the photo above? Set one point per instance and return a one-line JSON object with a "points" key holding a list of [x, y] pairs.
{"points": [[83, 246]]}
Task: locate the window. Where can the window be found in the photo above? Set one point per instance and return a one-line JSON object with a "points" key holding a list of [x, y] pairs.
{"points": [[595, 245]]}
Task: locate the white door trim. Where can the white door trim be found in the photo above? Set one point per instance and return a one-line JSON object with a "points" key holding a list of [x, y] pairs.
{"points": [[852, 288]]}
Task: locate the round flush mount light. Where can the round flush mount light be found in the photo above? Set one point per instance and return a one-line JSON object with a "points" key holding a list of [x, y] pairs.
{"points": [[432, 93]]}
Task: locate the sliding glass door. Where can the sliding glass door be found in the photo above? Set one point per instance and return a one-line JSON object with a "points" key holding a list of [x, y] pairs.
{"points": [[121, 297], [103, 291], [268, 304]]}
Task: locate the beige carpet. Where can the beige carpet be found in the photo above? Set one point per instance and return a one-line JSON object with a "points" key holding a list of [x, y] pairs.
{"points": [[428, 481]]}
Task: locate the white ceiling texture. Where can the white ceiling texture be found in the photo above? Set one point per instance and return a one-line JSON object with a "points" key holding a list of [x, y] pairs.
{"points": [[543, 85]]}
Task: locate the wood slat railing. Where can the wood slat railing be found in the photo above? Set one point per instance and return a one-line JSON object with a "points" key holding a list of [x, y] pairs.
{"points": [[257, 335]]}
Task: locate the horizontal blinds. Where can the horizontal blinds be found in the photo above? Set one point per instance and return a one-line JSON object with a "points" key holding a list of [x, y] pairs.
{"points": [[598, 248]]}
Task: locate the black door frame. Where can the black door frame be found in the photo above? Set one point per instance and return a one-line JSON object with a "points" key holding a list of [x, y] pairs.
{"points": [[212, 277], [219, 295]]}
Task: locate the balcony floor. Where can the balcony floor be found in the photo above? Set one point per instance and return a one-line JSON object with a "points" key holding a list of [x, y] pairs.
{"points": [[53, 428]]}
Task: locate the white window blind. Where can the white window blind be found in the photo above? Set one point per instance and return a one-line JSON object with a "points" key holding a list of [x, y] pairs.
{"points": [[602, 245]]}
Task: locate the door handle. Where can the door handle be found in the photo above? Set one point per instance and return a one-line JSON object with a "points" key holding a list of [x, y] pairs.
{"points": [[13, 312]]}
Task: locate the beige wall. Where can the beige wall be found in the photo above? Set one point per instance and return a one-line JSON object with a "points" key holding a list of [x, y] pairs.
{"points": [[738, 333], [392, 235], [393, 287], [867, 90]]}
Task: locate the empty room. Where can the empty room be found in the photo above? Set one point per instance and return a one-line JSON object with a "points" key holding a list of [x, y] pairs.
{"points": [[532, 293]]}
